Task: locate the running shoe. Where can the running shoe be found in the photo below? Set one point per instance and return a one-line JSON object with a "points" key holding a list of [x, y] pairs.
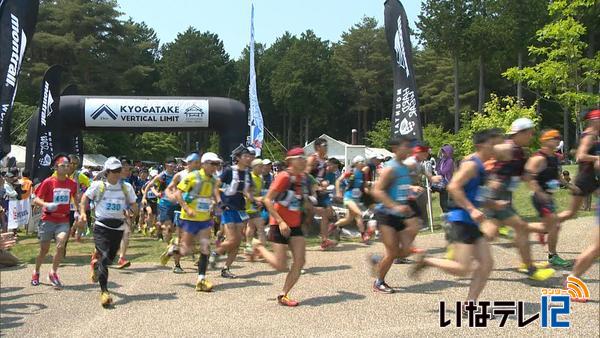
{"points": [[286, 301], [542, 238], [327, 244], [105, 299], [402, 261], [178, 269], [35, 279], [331, 228], [164, 257], [505, 231], [418, 267], [123, 263], [204, 285], [540, 265], [225, 273], [54, 280], [94, 272], [541, 275], [557, 261], [382, 288], [213, 260], [248, 249], [415, 250], [365, 237]]}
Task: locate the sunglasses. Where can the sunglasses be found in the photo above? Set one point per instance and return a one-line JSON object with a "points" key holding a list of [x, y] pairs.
{"points": [[115, 171], [214, 163]]}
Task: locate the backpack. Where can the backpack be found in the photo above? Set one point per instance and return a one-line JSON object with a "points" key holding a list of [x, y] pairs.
{"points": [[102, 191]]}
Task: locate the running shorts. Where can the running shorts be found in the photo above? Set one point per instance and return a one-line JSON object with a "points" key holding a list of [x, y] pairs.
{"points": [[275, 235], [464, 233], [194, 227], [396, 222], [543, 208]]}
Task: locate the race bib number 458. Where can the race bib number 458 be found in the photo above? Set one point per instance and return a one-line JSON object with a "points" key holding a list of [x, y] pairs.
{"points": [[61, 196]]}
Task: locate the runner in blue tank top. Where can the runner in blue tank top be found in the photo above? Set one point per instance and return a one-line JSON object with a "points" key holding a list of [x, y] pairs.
{"points": [[468, 196], [396, 219]]}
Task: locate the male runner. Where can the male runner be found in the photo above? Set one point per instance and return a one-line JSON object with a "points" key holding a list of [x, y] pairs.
{"points": [[316, 166], [396, 219], [284, 202], [196, 193], [254, 207], [166, 207], [544, 171], [125, 178], [588, 154], [504, 179], [54, 196], [114, 200], [192, 163], [236, 184], [467, 191]]}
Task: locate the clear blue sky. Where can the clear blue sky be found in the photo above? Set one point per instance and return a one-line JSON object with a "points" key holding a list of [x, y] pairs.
{"points": [[231, 19]]}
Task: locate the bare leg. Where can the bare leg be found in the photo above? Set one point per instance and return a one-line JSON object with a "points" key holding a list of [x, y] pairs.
{"points": [[233, 238], [551, 222], [44, 248], [576, 202], [521, 238], [61, 239], [483, 255], [278, 258], [391, 241], [298, 247], [585, 260]]}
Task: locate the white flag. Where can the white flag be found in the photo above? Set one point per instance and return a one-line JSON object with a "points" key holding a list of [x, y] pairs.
{"points": [[18, 213], [255, 120]]}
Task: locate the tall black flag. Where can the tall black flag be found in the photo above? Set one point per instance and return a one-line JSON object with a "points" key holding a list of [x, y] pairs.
{"points": [[17, 23], [41, 135], [406, 119]]}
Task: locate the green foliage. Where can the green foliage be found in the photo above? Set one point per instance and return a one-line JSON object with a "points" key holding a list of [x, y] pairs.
{"points": [[435, 137], [157, 146], [20, 122], [379, 136]]}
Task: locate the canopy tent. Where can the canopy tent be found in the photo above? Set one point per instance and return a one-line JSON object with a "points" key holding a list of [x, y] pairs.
{"points": [[93, 160], [346, 152], [19, 153]]}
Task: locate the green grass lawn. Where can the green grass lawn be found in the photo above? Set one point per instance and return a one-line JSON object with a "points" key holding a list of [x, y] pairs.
{"points": [[145, 249]]}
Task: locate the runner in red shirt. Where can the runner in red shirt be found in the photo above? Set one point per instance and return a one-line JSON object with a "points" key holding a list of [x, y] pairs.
{"points": [[54, 196], [284, 201]]}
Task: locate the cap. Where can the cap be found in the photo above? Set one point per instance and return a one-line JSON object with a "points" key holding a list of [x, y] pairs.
{"points": [[549, 135], [521, 124], [153, 172], [295, 153], [240, 150], [266, 161], [358, 159], [210, 157], [112, 163], [192, 157], [256, 162], [593, 114], [252, 151], [420, 149], [380, 157]]}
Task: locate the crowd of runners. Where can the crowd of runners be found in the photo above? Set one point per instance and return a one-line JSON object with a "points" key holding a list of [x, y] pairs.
{"points": [[213, 210]]}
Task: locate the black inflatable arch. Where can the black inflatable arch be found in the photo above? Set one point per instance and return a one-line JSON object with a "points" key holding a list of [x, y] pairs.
{"points": [[226, 116]]}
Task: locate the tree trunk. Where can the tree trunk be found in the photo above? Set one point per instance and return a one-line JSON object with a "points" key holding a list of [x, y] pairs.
{"points": [[365, 126], [481, 85], [456, 98], [590, 54], [188, 142], [566, 130], [289, 130], [306, 134], [284, 129], [519, 85]]}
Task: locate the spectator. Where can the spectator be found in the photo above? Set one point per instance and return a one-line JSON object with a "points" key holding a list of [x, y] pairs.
{"points": [[7, 240], [444, 168]]}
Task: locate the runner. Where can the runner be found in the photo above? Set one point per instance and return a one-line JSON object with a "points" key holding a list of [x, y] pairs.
{"points": [[196, 193], [192, 164], [398, 224], [125, 178], [284, 201], [166, 208], [505, 176], [352, 194], [254, 207], [150, 203], [235, 182], [139, 186], [588, 153], [114, 200], [467, 191], [54, 195], [544, 171], [316, 166], [82, 182]]}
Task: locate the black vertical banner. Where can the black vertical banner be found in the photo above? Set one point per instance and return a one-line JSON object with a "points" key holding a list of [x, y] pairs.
{"points": [[406, 119], [42, 132], [17, 23], [69, 141]]}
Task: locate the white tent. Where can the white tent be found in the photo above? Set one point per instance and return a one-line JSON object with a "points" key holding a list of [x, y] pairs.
{"points": [[93, 160], [19, 153], [346, 152]]}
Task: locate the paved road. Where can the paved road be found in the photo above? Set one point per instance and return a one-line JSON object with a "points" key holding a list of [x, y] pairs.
{"points": [[336, 299]]}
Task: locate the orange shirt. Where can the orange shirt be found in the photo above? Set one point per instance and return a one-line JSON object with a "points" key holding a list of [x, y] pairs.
{"points": [[280, 184], [26, 185]]}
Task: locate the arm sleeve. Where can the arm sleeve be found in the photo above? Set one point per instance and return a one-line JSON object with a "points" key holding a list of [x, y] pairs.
{"points": [[40, 191]]}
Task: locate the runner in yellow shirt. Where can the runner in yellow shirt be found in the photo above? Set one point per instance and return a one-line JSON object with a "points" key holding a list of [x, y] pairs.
{"points": [[254, 206]]}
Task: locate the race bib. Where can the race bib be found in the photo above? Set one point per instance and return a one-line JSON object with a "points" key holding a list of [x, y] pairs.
{"points": [[113, 205], [402, 195], [553, 185], [356, 193], [61, 196], [203, 204], [244, 216]]}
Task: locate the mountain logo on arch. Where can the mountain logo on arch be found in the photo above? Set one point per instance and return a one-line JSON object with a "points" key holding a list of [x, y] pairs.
{"points": [[104, 109]]}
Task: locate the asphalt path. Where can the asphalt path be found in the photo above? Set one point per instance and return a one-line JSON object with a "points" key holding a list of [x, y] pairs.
{"points": [[335, 294]]}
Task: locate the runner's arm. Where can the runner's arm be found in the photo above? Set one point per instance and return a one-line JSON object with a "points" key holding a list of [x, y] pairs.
{"points": [[466, 171], [384, 181], [533, 167], [583, 149], [217, 192], [310, 162], [172, 188], [82, 208]]}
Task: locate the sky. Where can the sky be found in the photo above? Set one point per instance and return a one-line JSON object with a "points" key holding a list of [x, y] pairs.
{"points": [[230, 19]]}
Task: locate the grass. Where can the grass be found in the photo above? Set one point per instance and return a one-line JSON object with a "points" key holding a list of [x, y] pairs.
{"points": [[145, 249]]}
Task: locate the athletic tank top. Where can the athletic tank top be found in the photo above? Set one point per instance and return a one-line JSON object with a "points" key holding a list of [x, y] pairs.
{"points": [[319, 169], [474, 193], [399, 190], [587, 168], [355, 186], [548, 178], [511, 171]]}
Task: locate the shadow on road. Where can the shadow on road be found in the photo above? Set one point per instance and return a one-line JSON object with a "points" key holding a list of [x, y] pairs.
{"points": [[19, 310], [341, 297], [125, 299], [130, 270], [315, 270], [430, 287], [229, 286], [91, 286]]}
